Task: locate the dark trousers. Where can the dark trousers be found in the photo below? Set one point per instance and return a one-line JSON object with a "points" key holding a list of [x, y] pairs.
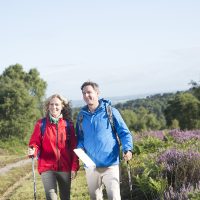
{"points": [[50, 180]]}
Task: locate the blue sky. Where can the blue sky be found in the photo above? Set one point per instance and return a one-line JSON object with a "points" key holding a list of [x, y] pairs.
{"points": [[129, 47]]}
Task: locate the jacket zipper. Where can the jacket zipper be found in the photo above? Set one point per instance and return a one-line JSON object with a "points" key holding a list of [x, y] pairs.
{"points": [[57, 150]]}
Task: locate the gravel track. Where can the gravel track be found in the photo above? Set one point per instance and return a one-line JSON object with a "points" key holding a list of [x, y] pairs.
{"points": [[13, 165], [11, 189], [6, 169]]}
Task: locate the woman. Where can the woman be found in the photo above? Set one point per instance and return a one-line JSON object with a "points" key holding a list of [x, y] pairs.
{"points": [[53, 141]]}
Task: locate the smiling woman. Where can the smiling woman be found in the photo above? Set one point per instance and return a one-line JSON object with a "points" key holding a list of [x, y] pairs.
{"points": [[54, 145]]}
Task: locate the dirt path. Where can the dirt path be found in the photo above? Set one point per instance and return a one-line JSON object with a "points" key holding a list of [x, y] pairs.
{"points": [[13, 165], [11, 189], [6, 169]]}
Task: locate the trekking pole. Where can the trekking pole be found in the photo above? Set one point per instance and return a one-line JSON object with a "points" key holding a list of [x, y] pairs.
{"points": [[130, 179], [34, 182]]}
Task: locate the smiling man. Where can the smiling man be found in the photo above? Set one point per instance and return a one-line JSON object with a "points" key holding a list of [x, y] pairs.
{"points": [[98, 128]]}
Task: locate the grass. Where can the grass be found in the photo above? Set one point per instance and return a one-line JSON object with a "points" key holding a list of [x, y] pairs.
{"points": [[26, 191], [79, 189], [17, 184], [11, 151], [7, 159], [13, 146], [13, 176], [22, 188]]}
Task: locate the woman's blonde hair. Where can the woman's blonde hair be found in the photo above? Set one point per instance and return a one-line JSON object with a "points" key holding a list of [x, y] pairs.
{"points": [[66, 106]]}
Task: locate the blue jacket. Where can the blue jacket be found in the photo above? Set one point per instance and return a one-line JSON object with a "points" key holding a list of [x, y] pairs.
{"points": [[96, 138]]}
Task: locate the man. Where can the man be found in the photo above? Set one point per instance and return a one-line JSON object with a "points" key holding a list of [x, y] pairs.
{"points": [[99, 141]]}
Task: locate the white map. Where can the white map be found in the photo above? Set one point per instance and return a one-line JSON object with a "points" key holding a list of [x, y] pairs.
{"points": [[84, 158]]}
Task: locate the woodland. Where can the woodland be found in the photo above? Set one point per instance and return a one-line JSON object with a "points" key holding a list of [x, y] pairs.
{"points": [[165, 129]]}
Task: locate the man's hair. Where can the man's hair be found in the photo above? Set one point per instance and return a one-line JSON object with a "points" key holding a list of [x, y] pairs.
{"points": [[93, 84]]}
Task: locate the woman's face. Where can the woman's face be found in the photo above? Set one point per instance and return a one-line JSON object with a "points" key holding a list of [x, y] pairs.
{"points": [[55, 107]]}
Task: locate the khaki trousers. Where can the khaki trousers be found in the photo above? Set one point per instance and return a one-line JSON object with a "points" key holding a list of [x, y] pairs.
{"points": [[97, 178]]}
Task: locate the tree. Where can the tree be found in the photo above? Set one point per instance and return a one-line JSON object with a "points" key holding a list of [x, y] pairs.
{"points": [[147, 120], [186, 109], [141, 120], [129, 117], [21, 96], [195, 89], [174, 124]]}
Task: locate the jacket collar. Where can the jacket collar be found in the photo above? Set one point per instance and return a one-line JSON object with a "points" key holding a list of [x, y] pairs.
{"points": [[102, 104]]}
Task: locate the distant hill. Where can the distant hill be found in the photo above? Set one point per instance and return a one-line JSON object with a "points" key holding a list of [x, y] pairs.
{"points": [[77, 103], [114, 100]]}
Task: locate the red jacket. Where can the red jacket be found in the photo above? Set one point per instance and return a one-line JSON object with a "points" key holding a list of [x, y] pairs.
{"points": [[53, 149]]}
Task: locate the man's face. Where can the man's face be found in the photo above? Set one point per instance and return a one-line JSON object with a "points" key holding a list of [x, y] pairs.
{"points": [[90, 95]]}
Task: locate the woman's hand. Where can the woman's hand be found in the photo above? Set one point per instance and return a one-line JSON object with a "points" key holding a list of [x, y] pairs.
{"points": [[73, 174], [31, 152]]}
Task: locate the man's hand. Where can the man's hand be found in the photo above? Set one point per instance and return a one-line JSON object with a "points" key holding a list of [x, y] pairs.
{"points": [[31, 152], [127, 155]]}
